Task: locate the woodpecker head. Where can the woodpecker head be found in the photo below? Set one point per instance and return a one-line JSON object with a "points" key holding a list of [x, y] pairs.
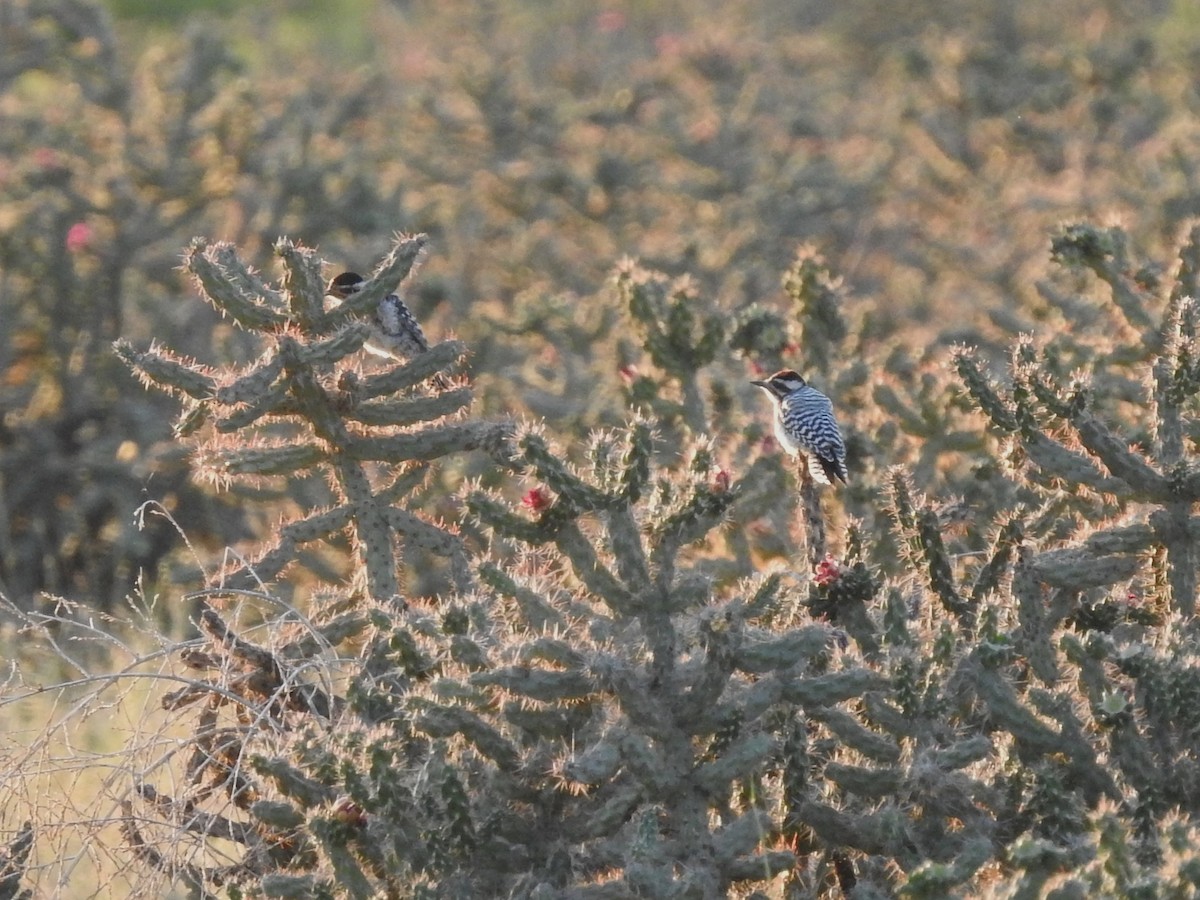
{"points": [[345, 284], [782, 383]]}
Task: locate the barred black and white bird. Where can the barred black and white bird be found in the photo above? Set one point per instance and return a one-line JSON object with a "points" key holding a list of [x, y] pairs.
{"points": [[395, 331], [804, 423]]}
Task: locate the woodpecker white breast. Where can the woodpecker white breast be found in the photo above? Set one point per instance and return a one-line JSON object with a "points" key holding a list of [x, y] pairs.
{"points": [[804, 423], [395, 332]]}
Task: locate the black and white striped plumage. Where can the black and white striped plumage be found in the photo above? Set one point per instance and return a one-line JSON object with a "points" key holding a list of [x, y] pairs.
{"points": [[804, 423], [395, 331]]}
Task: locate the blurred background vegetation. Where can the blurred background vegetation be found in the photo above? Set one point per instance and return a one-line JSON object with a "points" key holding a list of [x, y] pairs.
{"points": [[928, 154]]}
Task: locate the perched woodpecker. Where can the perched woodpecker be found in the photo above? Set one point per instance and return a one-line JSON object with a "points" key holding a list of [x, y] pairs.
{"points": [[395, 332], [804, 423]]}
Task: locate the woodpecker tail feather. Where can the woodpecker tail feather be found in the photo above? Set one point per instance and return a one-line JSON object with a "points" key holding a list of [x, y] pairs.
{"points": [[832, 469]]}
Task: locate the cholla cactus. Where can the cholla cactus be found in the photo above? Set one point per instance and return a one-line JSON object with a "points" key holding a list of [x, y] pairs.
{"points": [[657, 705], [347, 421], [304, 405], [1114, 580], [1093, 460], [613, 701], [679, 331]]}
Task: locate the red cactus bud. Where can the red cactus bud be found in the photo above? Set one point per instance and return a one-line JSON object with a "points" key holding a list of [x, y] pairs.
{"points": [[536, 499], [828, 571]]}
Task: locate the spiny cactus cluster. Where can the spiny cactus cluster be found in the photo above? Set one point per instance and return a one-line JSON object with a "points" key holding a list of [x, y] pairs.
{"points": [[616, 703], [645, 673], [619, 698], [300, 408], [98, 195], [680, 335], [618, 710], [304, 405], [930, 163]]}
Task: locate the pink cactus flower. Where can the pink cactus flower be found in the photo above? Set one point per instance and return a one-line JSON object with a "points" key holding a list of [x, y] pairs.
{"points": [[79, 237]]}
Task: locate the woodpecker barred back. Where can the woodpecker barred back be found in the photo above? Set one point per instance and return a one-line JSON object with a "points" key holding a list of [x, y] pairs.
{"points": [[804, 423], [395, 332]]}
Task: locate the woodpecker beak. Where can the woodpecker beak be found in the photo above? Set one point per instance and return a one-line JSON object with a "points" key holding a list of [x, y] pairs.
{"points": [[761, 384]]}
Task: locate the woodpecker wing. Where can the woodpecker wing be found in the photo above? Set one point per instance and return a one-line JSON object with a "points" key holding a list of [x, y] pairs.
{"points": [[396, 319], [807, 416], [398, 333]]}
